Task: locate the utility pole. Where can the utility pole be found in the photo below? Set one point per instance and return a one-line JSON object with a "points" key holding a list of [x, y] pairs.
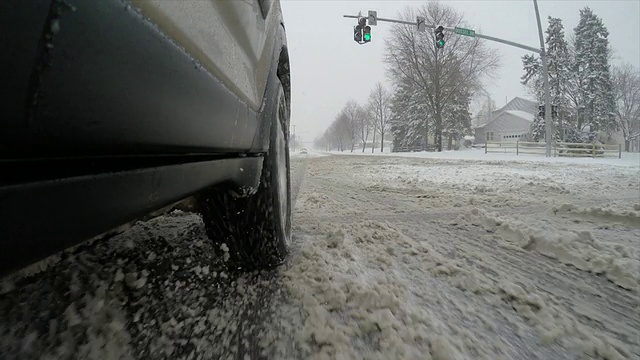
{"points": [[420, 24], [294, 137], [545, 75], [489, 109]]}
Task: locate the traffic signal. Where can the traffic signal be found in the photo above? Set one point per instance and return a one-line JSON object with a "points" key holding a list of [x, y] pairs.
{"points": [[359, 29], [367, 34], [439, 37], [362, 32], [357, 33]]}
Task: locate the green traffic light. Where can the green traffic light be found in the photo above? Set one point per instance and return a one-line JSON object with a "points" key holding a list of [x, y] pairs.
{"points": [[440, 43], [367, 37]]}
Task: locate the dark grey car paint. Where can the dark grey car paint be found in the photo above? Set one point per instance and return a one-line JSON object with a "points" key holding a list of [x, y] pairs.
{"points": [[135, 121]]}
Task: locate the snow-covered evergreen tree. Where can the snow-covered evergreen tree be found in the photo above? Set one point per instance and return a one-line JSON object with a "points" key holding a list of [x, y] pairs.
{"points": [[410, 121], [560, 64], [532, 77], [538, 129], [594, 79], [457, 118]]}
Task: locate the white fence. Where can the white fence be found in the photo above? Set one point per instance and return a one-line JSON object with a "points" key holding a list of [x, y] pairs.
{"points": [[414, 148], [559, 149]]}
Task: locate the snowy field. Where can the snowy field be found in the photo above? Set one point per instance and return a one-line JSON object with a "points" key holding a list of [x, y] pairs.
{"points": [[419, 256]]}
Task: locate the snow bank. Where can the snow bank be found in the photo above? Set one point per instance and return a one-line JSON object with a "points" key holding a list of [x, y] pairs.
{"points": [[619, 263], [626, 217]]}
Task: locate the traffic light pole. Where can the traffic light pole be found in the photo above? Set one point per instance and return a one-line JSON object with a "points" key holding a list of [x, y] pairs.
{"points": [[547, 92], [382, 19], [453, 30], [294, 138], [541, 51], [495, 39]]}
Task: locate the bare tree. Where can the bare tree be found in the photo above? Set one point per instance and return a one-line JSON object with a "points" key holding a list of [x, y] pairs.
{"points": [[375, 129], [380, 107], [438, 74], [342, 131], [349, 123], [364, 124], [352, 113], [332, 137], [626, 87], [321, 142]]}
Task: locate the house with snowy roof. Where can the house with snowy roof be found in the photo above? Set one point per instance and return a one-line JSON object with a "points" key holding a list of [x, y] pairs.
{"points": [[510, 123]]}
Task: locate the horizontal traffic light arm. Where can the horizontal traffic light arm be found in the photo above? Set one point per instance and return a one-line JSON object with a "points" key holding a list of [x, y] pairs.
{"points": [[491, 38], [452, 30], [383, 19]]}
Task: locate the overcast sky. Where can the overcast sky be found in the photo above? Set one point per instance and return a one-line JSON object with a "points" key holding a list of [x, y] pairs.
{"points": [[328, 68]]}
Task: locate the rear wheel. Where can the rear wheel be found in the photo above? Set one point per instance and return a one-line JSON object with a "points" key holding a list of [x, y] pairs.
{"points": [[254, 231]]}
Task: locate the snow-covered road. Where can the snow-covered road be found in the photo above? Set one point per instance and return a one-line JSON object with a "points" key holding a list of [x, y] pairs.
{"points": [[393, 258]]}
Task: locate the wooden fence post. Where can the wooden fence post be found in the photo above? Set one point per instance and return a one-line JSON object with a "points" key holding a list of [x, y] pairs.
{"points": [[594, 149], [485, 146], [619, 151]]}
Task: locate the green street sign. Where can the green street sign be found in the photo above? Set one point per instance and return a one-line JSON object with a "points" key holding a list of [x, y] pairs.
{"points": [[466, 32]]}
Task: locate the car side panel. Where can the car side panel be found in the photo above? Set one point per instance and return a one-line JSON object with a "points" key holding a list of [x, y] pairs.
{"points": [[21, 27], [234, 40], [106, 81], [40, 218], [117, 120]]}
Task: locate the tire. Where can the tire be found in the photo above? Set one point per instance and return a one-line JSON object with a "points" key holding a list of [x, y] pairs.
{"points": [[254, 232]]}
